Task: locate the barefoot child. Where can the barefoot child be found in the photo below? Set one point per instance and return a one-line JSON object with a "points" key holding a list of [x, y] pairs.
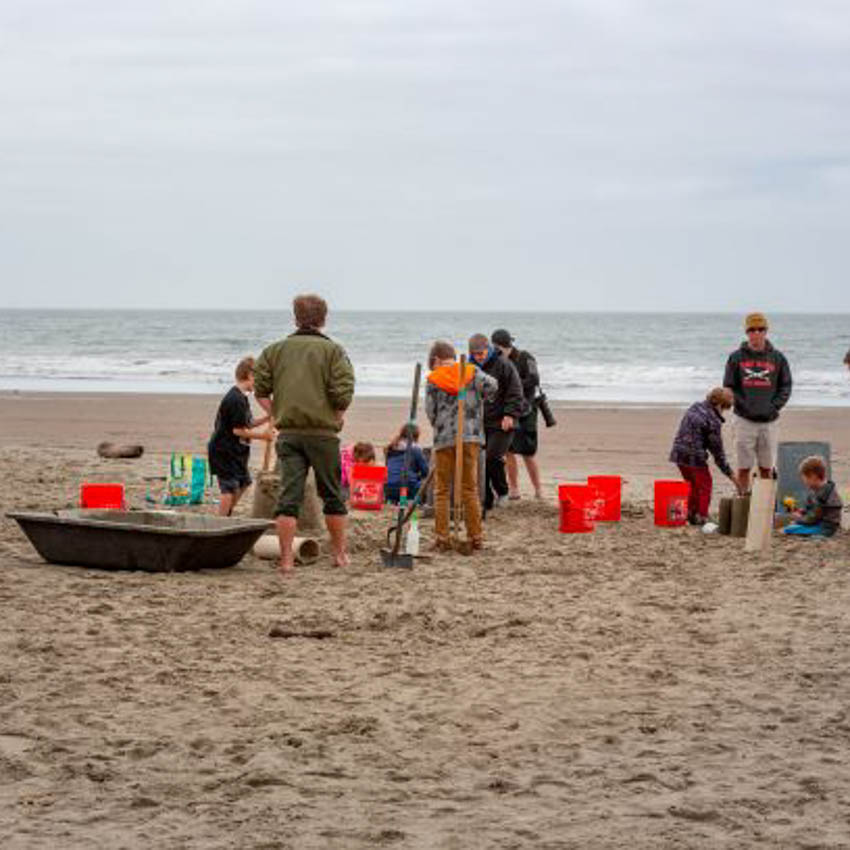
{"points": [[230, 445], [441, 407], [822, 515]]}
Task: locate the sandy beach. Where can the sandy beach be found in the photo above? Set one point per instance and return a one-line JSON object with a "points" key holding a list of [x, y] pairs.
{"points": [[637, 687]]}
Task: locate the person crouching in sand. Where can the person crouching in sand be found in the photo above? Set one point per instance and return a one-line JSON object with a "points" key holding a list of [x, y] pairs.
{"points": [[698, 435], [395, 453], [441, 408], [821, 516]]}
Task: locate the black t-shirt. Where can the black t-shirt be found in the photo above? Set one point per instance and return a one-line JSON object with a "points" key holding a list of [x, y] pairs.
{"points": [[228, 453]]}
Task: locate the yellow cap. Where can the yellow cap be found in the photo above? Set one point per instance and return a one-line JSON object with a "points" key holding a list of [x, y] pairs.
{"points": [[755, 320]]}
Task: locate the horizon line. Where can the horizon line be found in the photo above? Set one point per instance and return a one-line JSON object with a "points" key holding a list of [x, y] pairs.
{"points": [[383, 310]]}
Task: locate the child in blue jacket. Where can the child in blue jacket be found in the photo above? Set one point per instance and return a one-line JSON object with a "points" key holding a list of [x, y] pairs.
{"points": [[394, 453]]}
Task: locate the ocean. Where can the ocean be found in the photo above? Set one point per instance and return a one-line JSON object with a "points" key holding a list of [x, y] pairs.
{"points": [[592, 357]]}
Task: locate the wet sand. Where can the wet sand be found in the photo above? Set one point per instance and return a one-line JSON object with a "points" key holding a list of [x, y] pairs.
{"points": [[637, 687]]}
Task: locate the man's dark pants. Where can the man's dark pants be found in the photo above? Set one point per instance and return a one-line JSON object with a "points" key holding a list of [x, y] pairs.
{"points": [[297, 453], [495, 479]]}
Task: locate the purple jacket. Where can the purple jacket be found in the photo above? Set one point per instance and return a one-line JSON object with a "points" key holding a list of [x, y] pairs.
{"points": [[699, 434]]}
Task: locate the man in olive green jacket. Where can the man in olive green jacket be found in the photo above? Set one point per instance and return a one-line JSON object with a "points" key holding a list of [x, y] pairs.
{"points": [[306, 383]]}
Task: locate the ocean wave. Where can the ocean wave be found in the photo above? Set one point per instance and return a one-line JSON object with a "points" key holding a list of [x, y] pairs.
{"points": [[634, 358]]}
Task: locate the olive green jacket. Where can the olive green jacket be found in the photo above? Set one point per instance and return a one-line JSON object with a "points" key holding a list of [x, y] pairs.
{"points": [[310, 380]]}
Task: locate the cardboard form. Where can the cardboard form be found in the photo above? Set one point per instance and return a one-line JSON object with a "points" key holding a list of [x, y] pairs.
{"points": [[760, 525]]}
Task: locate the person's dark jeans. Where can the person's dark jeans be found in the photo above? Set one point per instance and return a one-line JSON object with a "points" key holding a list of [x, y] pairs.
{"points": [[299, 452], [495, 478], [699, 477], [392, 492]]}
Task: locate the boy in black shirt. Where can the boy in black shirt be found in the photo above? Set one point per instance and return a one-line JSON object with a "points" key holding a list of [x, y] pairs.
{"points": [[230, 445]]}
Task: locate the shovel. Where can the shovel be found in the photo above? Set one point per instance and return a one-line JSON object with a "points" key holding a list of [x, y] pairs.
{"points": [[464, 547], [394, 557]]}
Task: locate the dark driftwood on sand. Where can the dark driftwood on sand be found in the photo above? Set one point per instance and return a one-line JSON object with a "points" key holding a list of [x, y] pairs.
{"points": [[112, 450], [483, 631], [286, 632]]}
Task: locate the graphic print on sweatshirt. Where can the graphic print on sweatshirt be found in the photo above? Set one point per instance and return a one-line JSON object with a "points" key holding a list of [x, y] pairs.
{"points": [[757, 373]]}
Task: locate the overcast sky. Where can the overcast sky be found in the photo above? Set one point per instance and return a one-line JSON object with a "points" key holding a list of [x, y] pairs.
{"points": [[594, 154]]}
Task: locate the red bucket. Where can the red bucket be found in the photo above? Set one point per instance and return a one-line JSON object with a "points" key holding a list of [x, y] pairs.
{"points": [[578, 503], [367, 486], [108, 496], [671, 502], [608, 489]]}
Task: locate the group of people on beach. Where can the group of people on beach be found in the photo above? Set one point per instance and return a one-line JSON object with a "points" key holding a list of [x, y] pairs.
{"points": [[305, 383], [757, 385]]}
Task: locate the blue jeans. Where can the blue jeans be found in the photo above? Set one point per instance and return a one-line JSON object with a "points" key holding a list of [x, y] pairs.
{"points": [[392, 492], [801, 530]]}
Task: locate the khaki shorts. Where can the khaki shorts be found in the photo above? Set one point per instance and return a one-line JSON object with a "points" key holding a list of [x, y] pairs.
{"points": [[755, 443]]}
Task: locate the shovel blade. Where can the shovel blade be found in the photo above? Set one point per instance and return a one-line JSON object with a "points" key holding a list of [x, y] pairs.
{"points": [[396, 559]]}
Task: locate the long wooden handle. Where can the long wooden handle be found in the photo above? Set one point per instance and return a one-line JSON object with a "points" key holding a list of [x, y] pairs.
{"points": [[267, 454], [461, 412]]}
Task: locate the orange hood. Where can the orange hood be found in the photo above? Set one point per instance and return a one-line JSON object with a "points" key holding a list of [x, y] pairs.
{"points": [[446, 378]]}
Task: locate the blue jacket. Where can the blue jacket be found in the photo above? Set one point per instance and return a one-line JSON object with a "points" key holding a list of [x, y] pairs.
{"points": [[395, 463]]}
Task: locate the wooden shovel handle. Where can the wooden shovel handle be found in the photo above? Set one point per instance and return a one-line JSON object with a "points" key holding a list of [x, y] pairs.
{"points": [[461, 412], [267, 452]]}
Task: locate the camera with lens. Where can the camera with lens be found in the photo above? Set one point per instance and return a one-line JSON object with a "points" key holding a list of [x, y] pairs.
{"points": [[545, 411]]}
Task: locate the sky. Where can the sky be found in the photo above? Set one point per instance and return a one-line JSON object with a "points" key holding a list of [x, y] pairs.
{"points": [[575, 155]]}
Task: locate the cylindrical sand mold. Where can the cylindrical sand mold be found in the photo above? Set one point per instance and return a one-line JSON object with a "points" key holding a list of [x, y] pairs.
{"points": [[267, 491], [608, 495], [305, 550], [578, 504], [671, 502], [740, 516], [724, 522]]}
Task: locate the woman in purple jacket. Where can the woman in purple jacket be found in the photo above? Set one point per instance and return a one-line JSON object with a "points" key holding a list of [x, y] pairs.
{"points": [[699, 435]]}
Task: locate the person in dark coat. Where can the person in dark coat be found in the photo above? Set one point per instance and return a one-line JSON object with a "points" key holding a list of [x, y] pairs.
{"points": [[501, 415], [524, 442], [698, 436]]}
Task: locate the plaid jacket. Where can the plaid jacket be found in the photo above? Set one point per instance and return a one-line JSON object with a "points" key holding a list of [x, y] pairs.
{"points": [[441, 409], [699, 435]]}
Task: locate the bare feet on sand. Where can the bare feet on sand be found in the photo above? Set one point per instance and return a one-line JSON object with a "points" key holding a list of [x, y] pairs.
{"points": [[341, 559], [286, 569]]}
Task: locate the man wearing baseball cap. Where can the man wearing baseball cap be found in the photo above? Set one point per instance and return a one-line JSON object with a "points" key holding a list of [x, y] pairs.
{"points": [[524, 442], [760, 378]]}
